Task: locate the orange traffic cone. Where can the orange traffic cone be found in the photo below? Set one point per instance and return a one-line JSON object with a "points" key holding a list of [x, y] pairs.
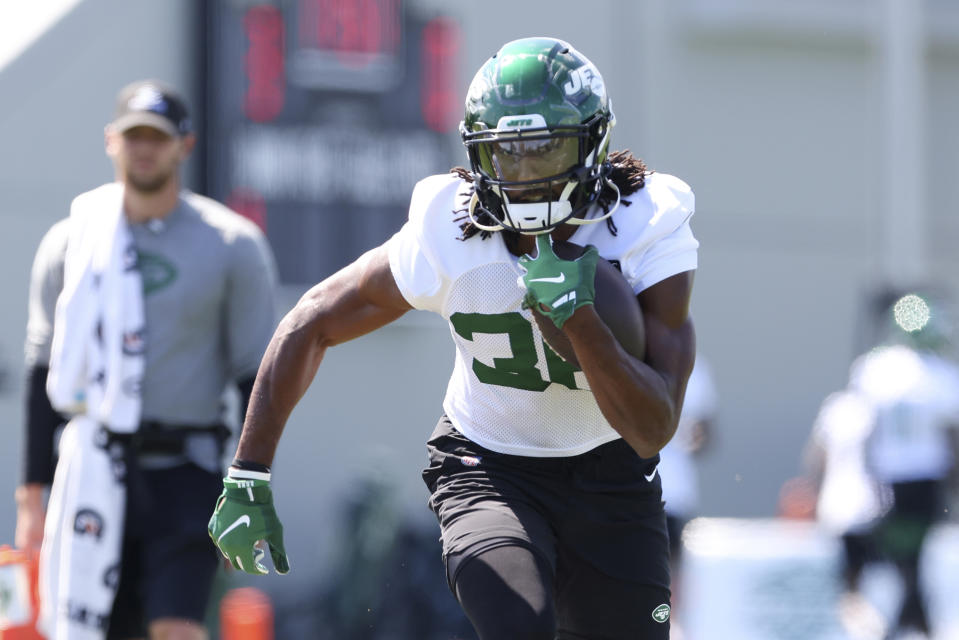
{"points": [[246, 613], [19, 602]]}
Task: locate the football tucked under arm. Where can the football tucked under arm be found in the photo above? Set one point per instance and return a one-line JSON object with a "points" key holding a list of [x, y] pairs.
{"points": [[614, 301]]}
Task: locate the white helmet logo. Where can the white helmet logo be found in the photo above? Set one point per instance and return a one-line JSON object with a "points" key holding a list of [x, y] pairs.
{"points": [[522, 121], [586, 76]]}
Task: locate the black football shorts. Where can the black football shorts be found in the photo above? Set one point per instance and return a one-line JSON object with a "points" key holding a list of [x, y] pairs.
{"points": [[597, 519]]}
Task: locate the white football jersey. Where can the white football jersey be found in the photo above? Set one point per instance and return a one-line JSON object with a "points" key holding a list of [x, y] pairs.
{"points": [[508, 391], [916, 396]]}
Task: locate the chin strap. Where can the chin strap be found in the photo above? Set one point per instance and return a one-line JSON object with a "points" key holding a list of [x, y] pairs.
{"points": [[582, 221], [475, 202]]}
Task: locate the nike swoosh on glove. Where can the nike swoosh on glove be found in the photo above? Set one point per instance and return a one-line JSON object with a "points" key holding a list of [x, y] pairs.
{"points": [[555, 287]]}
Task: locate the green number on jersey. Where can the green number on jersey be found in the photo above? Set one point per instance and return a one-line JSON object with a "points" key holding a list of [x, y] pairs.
{"points": [[519, 371]]}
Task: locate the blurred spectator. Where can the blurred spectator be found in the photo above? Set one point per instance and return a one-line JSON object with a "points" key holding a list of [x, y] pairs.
{"points": [[145, 305]]}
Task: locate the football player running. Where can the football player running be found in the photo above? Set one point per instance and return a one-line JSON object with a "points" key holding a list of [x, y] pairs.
{"points": [[542, 475]]}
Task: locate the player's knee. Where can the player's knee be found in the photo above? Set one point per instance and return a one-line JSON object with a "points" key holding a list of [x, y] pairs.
{"points": [[499, 616], [506, 593], [539, 629]]}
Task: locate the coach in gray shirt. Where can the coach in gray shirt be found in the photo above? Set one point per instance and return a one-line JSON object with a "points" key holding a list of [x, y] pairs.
{"points": [[208, 302]]}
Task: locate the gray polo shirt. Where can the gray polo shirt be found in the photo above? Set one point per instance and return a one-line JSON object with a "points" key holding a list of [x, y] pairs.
{"points": [[209, 300]]}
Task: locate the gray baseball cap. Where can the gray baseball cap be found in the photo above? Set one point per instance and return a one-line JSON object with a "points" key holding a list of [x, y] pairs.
{"points": [[150, 103]]}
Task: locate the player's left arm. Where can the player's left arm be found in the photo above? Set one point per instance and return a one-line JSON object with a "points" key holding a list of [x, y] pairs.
{"points": [[642, 400]]}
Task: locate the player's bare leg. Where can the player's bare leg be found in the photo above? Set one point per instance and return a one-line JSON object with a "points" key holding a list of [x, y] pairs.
{"points": [[177, 629]]}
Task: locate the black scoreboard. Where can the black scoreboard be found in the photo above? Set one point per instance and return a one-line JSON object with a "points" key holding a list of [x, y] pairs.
{"points": [[321, 115]]}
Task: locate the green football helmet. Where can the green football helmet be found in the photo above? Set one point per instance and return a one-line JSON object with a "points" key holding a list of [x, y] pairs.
{"points": [[536, 131]]}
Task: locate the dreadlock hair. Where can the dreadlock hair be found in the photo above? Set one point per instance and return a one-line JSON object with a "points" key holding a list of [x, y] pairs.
{"points": [[627, 172]]}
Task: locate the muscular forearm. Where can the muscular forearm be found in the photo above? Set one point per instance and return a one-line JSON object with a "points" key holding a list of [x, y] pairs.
{"points": [[31, 507], [31, 496], [639, 401]]}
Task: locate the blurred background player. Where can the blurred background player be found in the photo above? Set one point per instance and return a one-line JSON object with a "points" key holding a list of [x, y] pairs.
{"points": [[144, 305], [542, 476], [849, 500], [677, 466], [911, 382]]}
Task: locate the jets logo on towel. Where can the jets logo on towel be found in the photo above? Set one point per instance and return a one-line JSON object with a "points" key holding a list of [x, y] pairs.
{"points": [[111, 577], [88, 522], [87, 617], [133, 342]]}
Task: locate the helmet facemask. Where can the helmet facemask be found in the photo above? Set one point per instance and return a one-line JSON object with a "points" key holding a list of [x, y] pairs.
{"points": [[535, 178]]}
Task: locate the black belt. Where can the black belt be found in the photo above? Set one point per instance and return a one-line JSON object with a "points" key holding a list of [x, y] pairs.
{"points": [[165, 439]]}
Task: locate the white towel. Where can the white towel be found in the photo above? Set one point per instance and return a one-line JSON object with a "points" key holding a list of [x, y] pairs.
{"points": [[96, 359], [96, 370], [82, 538]]}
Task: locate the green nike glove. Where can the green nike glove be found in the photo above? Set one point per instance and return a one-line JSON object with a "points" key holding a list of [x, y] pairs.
{"points": [[555, 287], [243, 516]]}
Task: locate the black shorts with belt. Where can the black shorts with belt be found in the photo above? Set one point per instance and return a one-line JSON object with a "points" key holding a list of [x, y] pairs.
{"points": [[168, 561]]}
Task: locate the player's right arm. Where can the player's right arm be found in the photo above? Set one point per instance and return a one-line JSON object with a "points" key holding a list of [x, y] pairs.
{"points": [[352, 302], [358, 299]]}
